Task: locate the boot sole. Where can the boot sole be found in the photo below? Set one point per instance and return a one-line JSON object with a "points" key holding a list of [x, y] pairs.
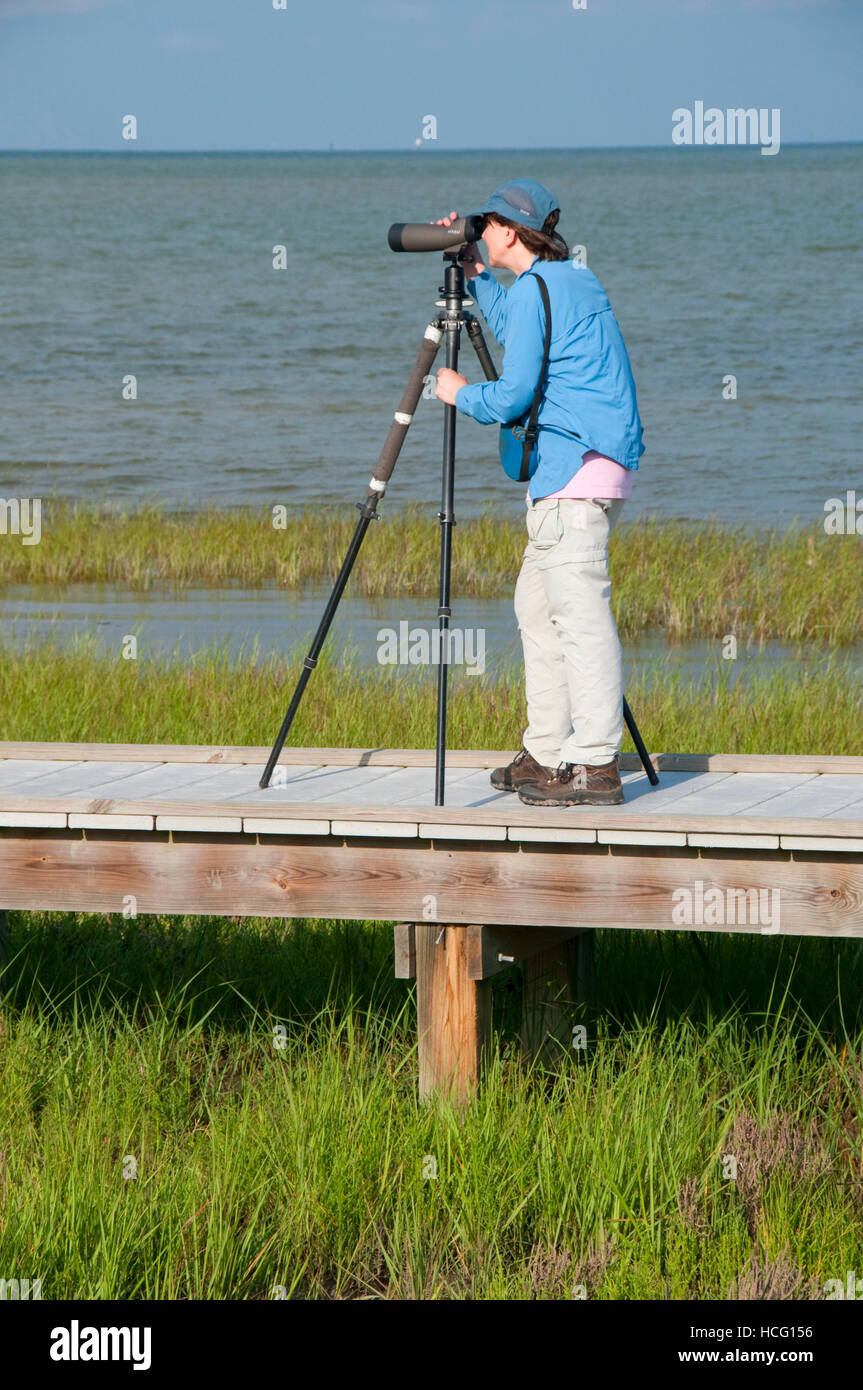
{"points": [[591, 799]]}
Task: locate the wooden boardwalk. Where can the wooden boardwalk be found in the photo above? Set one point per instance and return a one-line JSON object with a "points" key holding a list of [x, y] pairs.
{"points": [[724, 843]]}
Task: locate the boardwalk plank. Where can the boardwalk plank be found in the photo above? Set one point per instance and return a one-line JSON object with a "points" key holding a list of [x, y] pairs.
{"points": [[742, 792], [451, 830], [319, 786], [198, 781], [385, 787], [672, 788], [202, 824], [822, 795], [641, 837], [269, 825], [853, 811], [162, 779], [701, 841], [54, 820], [459, 787], [377, 828], [16, 772], [829, 844], [80, 777], [552, 835]]}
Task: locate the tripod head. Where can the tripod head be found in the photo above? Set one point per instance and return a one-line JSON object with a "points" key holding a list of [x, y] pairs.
{"points": [[455, 296]]}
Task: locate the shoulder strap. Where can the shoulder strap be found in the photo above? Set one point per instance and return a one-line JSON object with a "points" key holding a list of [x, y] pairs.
{"points": [[530, 432]]}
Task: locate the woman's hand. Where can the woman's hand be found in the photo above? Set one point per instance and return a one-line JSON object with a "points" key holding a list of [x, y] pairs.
{"points": [[469, 256], [448, 383]]}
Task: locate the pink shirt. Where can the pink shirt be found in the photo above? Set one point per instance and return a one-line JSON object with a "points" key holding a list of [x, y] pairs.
{"points": [[598, 476]]}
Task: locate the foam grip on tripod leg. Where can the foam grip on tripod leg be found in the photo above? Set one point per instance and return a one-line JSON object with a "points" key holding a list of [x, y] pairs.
{"points": [[405, 412]]}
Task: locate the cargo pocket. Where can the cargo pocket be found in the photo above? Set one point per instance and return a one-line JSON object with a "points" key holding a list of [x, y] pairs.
{"points": [[544, 528], [585, 526]]}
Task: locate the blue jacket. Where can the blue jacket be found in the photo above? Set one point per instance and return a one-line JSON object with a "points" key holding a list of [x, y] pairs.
{"points": [[589, 391]]}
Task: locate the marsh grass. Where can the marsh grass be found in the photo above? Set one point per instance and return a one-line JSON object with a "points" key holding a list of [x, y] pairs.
{"points": [[226, 695], [300, 1168], [681, 578]]}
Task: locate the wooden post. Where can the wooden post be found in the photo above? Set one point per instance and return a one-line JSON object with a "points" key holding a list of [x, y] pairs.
{"points": [[585, 969], [546, 1020], [453, 1013], [453, 966], [556, 979]]}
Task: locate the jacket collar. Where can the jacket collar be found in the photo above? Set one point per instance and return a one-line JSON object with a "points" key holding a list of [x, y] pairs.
{"points": [[529, 268]]}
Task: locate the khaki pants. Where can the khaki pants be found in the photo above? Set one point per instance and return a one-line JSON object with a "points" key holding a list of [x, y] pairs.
{"points": [[572, 658]]}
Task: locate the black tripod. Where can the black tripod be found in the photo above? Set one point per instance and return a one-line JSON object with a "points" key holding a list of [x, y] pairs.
{"points": [[448, 324]]}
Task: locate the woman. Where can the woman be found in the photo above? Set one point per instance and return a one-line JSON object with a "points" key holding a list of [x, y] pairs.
{"points": [[588, 446]]}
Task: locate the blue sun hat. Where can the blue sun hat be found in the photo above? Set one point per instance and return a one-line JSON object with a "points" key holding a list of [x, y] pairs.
{"points": [[521, 200]]}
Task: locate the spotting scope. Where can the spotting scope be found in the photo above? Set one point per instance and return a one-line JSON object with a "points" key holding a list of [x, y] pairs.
{"points": [[427, 236]]}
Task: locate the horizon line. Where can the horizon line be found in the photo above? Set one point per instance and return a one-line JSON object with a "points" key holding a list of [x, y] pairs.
{"points": [[129, 148]]}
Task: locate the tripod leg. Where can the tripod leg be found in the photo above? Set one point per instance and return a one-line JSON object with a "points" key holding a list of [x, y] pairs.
{"points": [[480, 348], [368, 510], [452, 320], [447, 521], [652, 775], [482, 352]]}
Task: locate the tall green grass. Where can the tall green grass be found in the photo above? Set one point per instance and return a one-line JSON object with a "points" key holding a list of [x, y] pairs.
{"points": [[683, 578], [228, 696], [311, 1170]]}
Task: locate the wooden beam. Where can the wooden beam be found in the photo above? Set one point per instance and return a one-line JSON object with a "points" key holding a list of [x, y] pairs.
{"points": [[494, 948], [490, 949], [390, 881], [453, 1014]]}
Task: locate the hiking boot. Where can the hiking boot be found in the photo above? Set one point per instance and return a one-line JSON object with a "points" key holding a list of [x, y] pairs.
{"points": [[575, 784], [523, 768]]}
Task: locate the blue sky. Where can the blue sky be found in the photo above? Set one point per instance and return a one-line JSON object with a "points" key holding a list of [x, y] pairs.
{"points": [[239, 75]]}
